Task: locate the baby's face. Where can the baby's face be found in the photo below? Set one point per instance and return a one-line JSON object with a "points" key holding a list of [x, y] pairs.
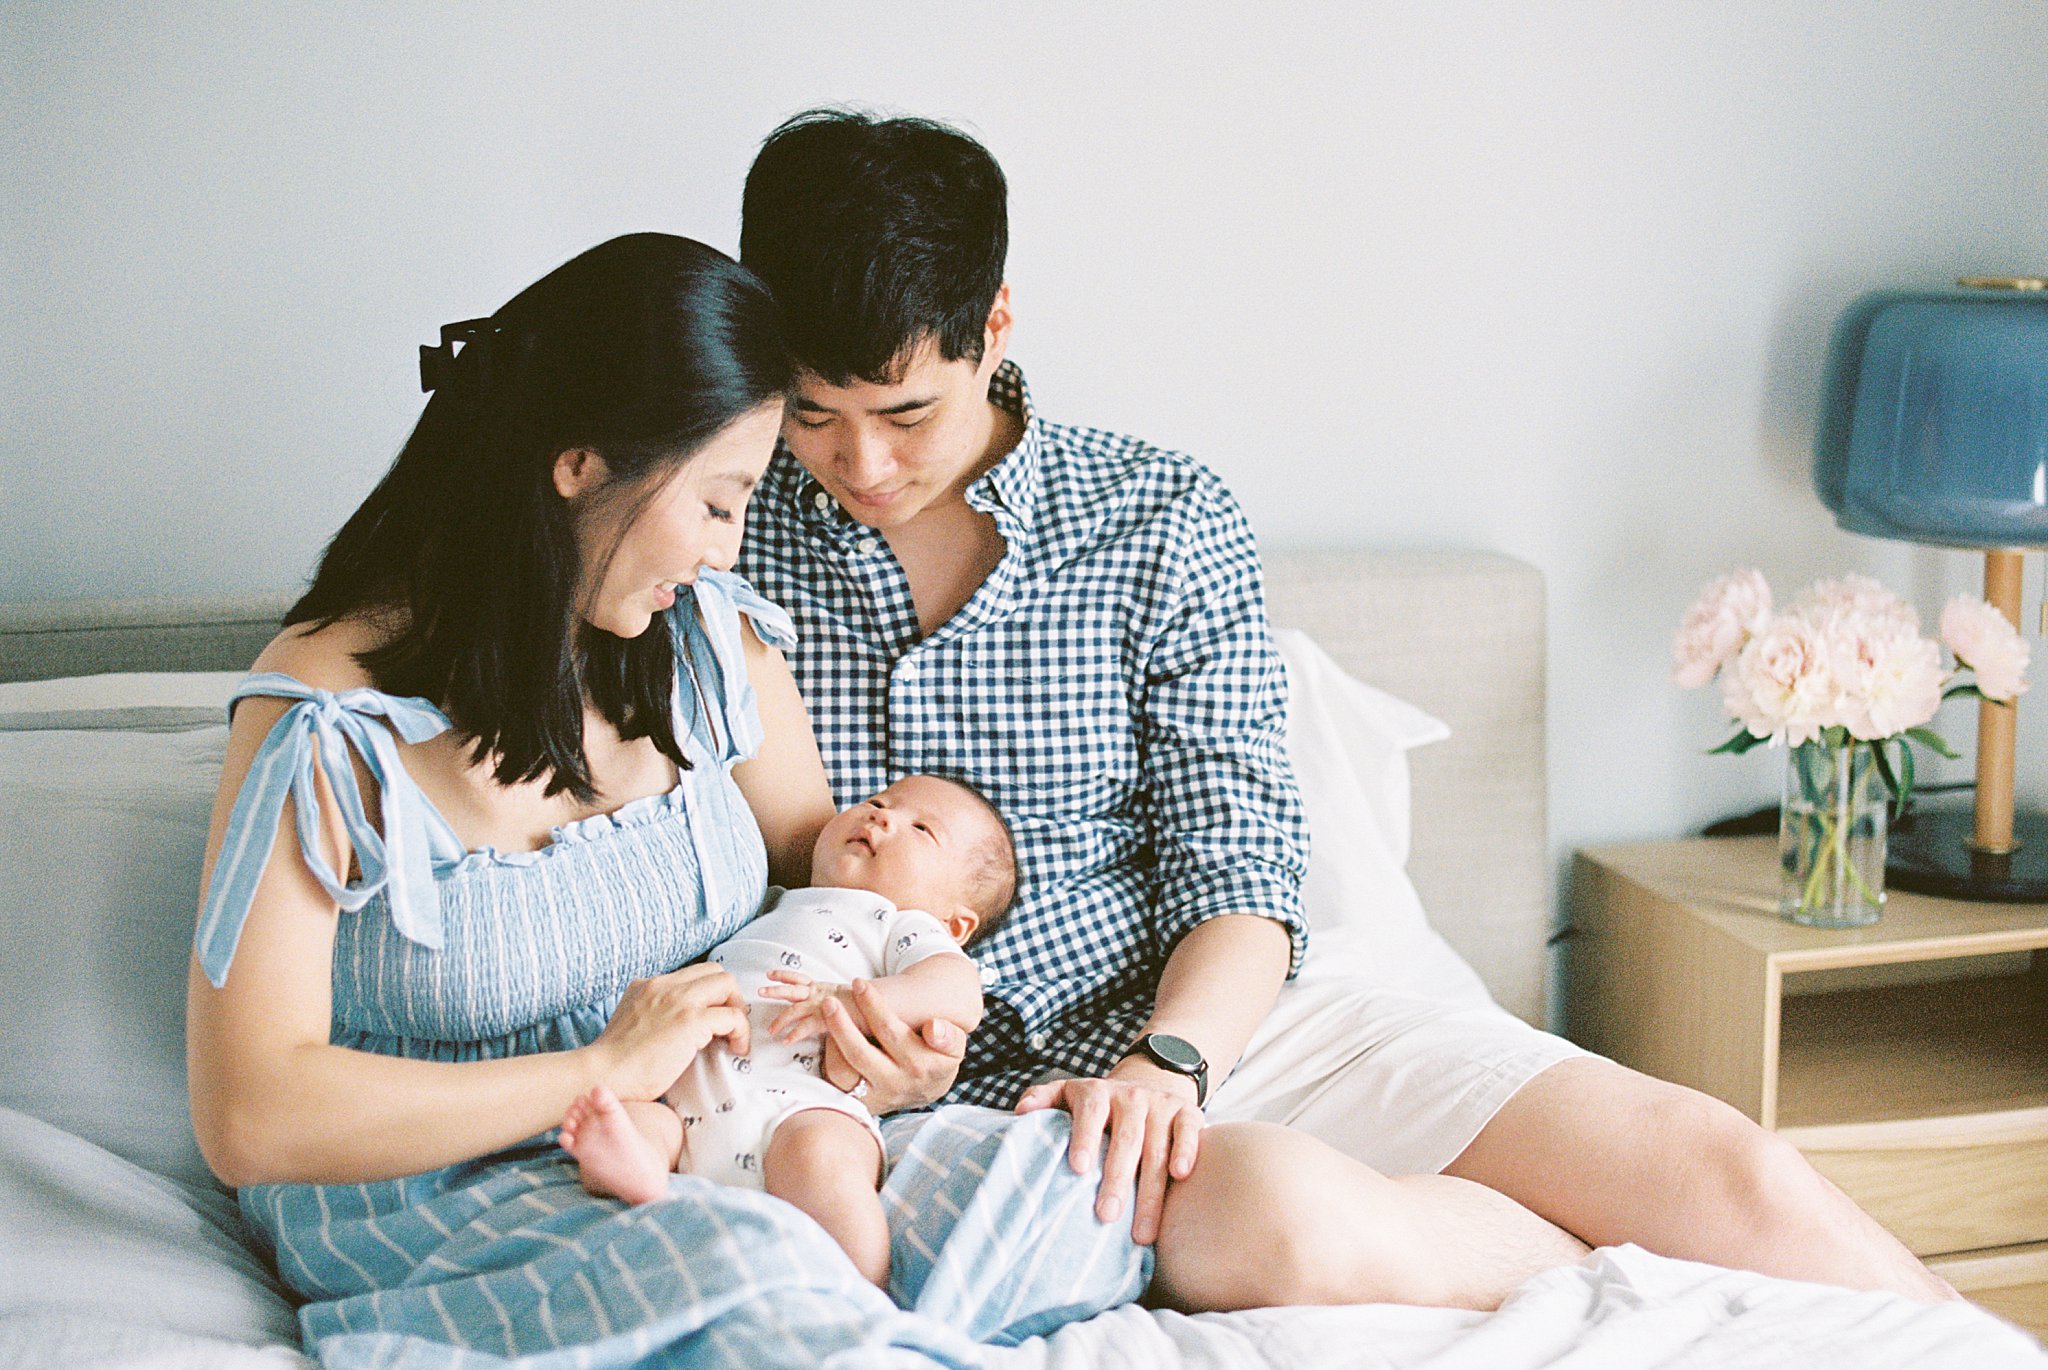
{"points": [[916, 844]]}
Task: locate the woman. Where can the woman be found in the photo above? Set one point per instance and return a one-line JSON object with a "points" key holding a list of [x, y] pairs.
{"points": [[525, 747]]}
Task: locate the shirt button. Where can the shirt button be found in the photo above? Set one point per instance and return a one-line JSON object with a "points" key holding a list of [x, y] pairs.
{"points": [[821, 501], [1038, 1041], [989, 975], [865, 546], [907, 671]]}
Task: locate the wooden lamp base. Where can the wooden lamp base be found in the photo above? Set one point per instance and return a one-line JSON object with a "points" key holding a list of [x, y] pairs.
{"points": [[1989, 853]]}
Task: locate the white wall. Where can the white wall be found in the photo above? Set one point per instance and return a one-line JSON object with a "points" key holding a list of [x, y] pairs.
{"points": [[1553, 279]]}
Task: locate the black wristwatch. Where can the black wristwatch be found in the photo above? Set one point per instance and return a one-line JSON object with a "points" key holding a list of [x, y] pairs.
{"points": [[1178, 1055]]}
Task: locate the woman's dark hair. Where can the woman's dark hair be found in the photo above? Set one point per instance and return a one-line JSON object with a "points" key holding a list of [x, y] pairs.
{"points": [[641, 350], [876, 234]]}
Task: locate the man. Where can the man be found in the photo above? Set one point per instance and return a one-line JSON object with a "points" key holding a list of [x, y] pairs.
{"points": [[1073, 621]]}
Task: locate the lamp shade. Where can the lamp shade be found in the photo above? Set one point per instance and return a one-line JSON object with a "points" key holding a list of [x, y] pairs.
{"points": [[1934, 426]]}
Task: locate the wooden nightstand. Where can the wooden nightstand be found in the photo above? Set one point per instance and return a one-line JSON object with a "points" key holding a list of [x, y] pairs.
{"points": [[1927, 1102]]}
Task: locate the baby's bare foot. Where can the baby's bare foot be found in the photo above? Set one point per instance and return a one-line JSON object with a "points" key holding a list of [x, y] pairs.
{"points": [[617, 1162]]}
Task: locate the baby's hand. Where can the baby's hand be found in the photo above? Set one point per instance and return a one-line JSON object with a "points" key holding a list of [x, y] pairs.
{"points": [[805, 1016]]}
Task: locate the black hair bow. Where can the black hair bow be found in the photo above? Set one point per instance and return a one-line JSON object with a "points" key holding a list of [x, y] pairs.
{"points": [[437, 363]]}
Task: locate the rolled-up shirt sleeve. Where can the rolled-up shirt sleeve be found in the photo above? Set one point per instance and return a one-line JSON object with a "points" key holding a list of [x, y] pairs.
{"points": [[1223, 814]]}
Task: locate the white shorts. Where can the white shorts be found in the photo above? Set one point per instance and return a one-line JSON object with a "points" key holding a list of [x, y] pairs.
{"points": [[727, 1126], [1399, 1082]]}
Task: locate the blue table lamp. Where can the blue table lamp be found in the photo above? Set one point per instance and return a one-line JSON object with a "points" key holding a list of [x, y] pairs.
{"points": [[1934, 429]]}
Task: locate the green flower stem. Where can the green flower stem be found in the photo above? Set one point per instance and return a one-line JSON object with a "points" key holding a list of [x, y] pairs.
{"points": [[1828, 848], [1823, 835]]}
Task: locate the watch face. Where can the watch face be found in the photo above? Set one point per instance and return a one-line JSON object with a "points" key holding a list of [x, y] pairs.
{"points": [[1177, 1052]]}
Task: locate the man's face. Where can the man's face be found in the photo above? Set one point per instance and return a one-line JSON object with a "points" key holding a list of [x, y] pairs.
{"points": [[889, 452]]}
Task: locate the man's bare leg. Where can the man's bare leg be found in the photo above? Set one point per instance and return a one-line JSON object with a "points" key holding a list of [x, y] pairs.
{"points": [[1273, 1216], [1612, 1155]]}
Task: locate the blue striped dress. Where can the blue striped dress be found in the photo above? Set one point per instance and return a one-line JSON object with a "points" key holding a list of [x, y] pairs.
{"points": [[452, 955]]}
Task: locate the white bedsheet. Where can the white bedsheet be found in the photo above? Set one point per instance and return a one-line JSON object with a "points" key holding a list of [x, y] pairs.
{"points": [[104, 1266], [1620, 1309], [74, 1341]]}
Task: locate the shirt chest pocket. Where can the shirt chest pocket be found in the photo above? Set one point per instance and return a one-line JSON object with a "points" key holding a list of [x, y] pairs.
{"points": [[1046, 736]]}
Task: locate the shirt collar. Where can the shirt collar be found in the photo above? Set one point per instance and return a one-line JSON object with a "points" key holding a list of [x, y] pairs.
{"points": [[1011, 486], [815, 508], [1013, 483]]}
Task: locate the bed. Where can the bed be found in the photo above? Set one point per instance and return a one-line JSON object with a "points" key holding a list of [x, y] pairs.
{"points": [[1418, 725]]}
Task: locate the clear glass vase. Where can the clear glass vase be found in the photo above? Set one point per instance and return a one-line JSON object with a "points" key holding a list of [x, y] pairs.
{"points": [[1831, 835]]}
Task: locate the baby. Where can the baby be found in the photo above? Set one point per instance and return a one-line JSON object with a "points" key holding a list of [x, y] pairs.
{"points": [[899, 884]]}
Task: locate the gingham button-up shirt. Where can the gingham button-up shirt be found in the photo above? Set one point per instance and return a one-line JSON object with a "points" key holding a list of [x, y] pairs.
{"points": [[1111, 687]]}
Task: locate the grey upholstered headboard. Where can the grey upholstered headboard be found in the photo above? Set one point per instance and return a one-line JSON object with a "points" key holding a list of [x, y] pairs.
{"points": [[1460, 634], [87, 636]]}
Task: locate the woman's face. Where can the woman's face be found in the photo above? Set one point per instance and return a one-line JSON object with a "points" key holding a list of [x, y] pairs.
{"points": [[694, 520]]}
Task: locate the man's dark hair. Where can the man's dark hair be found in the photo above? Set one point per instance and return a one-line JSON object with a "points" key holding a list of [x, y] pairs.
{"points": [[876, 234], [641, 349]]}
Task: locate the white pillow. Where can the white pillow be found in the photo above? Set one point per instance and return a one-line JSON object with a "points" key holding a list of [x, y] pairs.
{"points": [[130, 1269], [124, 699], [1349, 743], [102, 836], [1355, 738]]}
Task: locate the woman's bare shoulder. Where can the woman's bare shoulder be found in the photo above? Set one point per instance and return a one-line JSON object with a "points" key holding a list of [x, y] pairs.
{"points": [[322, 656]]}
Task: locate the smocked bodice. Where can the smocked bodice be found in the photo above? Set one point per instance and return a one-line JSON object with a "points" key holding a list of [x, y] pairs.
{"points": [[449, 954]]}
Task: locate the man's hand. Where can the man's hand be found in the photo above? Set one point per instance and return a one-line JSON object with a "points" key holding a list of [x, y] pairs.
{"points": [[866, 1040], [1154, 1129]]}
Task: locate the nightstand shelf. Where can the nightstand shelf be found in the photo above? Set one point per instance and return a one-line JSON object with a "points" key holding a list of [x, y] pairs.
{"points": [[1908, 1059], [1960, 1058]]}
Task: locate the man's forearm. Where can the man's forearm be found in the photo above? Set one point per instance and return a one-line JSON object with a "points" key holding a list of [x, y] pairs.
{"points": [[1218, 986], [945, 987]]}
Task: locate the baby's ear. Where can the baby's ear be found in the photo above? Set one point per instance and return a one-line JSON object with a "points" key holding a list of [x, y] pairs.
{"points": [[961, 924]]}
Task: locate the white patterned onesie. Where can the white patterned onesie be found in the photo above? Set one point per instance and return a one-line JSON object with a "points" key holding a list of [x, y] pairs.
{"points": [[731, 1105]]}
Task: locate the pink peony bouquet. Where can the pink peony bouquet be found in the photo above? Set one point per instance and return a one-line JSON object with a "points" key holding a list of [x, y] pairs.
{"points": [[1844, 664]]}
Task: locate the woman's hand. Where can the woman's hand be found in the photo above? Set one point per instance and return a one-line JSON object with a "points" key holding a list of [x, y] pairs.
{"points": [[1154, 1129], [662, 1023], [903, 1068]]}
